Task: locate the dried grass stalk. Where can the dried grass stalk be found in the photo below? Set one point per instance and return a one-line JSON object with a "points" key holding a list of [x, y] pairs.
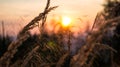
{"points": [[12, 49], [62, 60], [30, 55], [94, 38], [23, 35]]}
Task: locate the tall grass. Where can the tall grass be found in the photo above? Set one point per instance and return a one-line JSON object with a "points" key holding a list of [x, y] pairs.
{"points": [[45, 50], [94, 45], [23, 35]]}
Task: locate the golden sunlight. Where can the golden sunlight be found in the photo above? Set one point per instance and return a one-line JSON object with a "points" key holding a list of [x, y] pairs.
{"points": [[66, 21]]}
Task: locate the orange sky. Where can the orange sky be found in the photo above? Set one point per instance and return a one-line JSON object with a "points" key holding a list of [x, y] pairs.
{"points": [[20, 12]]}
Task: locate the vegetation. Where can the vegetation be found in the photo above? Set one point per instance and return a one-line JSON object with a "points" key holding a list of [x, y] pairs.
{"points": [[101, 46]]}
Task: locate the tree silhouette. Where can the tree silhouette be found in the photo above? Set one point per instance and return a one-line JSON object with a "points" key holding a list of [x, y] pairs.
{"points": [[4, 43], [111, 9]]}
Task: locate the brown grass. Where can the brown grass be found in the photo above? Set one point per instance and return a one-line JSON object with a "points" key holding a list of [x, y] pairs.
{"points": [[23, 35], [92, 42], [49, 53]]}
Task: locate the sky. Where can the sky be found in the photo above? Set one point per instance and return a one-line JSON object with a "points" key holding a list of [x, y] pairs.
{"points": [[17, 13]]}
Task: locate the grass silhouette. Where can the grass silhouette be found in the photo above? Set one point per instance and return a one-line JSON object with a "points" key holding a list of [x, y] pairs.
{"points": [[44, 50]]}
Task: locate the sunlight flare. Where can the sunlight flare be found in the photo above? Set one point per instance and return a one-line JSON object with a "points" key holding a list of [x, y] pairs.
{"points": [[66, 21]]}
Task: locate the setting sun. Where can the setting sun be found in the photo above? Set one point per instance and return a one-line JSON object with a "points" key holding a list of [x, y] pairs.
{"points": [[66, 21]]}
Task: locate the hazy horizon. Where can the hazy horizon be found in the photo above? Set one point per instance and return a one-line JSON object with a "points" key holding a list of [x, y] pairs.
{"points": [[17, 13]]}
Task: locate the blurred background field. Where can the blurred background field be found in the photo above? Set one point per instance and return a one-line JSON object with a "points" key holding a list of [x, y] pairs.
{"points": [[63, 40]]}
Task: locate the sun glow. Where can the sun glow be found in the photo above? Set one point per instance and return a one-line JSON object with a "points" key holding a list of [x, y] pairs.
{"points": [[66, 21]]}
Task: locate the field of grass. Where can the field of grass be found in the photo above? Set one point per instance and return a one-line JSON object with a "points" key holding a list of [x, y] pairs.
{"points": [[100, 48]]}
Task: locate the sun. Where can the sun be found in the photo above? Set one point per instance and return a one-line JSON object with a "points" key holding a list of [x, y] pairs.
{"points": [[66, 21]]}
